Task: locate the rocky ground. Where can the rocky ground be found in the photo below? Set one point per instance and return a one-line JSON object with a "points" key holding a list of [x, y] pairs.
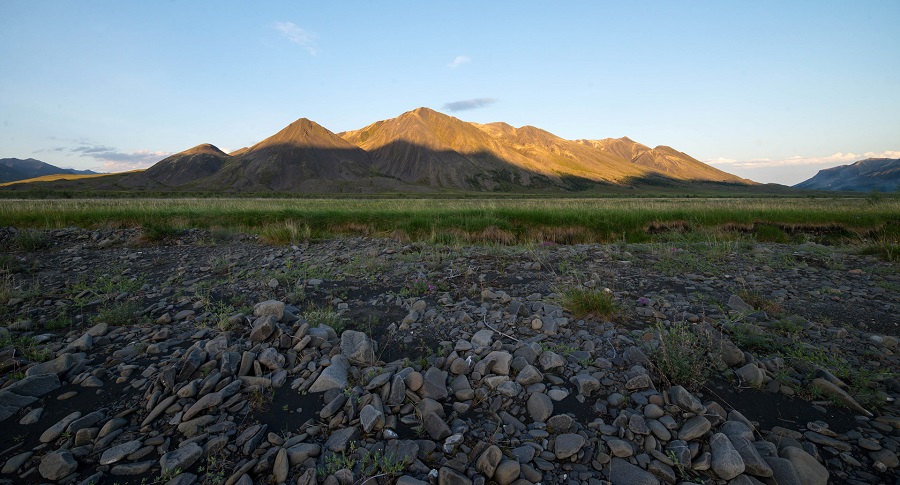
{"points": [[212, 358]]}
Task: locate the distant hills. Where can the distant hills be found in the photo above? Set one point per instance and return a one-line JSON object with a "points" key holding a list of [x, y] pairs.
{"points": [[13, 169], [881, 174], [419, 151]]}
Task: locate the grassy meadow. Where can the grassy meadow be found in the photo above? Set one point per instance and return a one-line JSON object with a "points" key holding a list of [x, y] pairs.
{"points": [[503, 221]]}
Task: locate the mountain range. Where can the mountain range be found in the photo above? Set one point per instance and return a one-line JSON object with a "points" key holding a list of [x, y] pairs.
{"points": [[13, 169], [419, 151], [881, 174]]}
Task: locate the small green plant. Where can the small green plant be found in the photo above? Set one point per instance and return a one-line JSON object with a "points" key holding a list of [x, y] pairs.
{"points": [[119, 313], [260, 398], [31, 240], [682, 355], [582, 302], [316, 316], [60, 321], [25, 346], [760, 302]]}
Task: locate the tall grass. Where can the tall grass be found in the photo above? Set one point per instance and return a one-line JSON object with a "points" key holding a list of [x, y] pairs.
{"points": [[503, 221]]}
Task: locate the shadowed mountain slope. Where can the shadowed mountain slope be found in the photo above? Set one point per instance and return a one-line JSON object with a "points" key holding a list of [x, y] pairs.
{"points": [[181, 168], [12, 169], [882, 174]]}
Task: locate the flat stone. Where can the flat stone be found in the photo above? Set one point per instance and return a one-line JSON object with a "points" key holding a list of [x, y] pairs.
{"points": [[754, 464], [621, 471], [810, 471], [885, 456], [685, 400], [332, 377], [13, 464], [57, 429], [568, 444], [487, 462], [507, 472], [179, 460], [118, 452], [435, 385], [449, 476], [64, 365], [751, 375], [340, 440], [694, 428]]}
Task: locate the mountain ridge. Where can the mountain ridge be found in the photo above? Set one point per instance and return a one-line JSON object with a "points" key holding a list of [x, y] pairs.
{"points": [[881, 174], [421, 150], [15, 169]]}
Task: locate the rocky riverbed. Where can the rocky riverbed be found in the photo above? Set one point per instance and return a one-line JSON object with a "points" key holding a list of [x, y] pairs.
{"points": [[209, 357]]}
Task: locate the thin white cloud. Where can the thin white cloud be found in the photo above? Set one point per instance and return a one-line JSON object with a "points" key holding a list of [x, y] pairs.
{"points": [[834, 159], [458, 61], [467, 104], [299, 36]]}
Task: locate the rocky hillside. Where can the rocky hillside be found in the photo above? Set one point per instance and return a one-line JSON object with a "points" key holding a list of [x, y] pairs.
{"points": [[421, 150], [211, 358], [881, 174], [13, 169]]}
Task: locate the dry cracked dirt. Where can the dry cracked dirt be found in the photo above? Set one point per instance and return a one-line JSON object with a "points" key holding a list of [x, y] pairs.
{"points": [[212, 358]]}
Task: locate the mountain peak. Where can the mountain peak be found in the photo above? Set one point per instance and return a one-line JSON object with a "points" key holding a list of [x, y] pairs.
{"points": [[204, 148]]}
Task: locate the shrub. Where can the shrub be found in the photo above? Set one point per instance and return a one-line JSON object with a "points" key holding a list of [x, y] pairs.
{"points": [[31, 240], [682, 355], [582, 302]]}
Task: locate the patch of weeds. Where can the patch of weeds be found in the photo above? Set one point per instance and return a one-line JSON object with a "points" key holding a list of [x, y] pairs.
{"points": [[260, 398], [561, 349], [369, 465], [221, 314], [673, 260], [119, 313], [760, 302], [317, 316], [284, 233], [682, 355], [753, 338], [60, 321], [582, 302], [158, 231], [420, 286], [31, 240], [215, 468], [25, 346], [771, 234], [787, 326], [884, 250]]}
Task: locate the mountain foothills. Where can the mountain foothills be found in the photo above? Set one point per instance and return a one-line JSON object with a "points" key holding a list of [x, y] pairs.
{"points": [[419, 151], [13, 169], [881, 174]]}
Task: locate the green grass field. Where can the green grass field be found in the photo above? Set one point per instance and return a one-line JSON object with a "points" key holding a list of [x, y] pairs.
{"points": [[505, 221]]}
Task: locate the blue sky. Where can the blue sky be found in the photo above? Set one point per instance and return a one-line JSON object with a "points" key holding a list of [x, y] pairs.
{"points": [[773, 91]]}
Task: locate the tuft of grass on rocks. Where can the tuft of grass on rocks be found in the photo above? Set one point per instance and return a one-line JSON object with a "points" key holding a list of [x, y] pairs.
{"points": [[31, 240], [316, 316], [285, 233], [760, 302], [682, 355], [118, 313], [581, 302]]}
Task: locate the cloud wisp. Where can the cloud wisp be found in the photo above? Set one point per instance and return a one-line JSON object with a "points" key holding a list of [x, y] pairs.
{"points": [[837, 158], [299, 36], [469, 104], [458, 61]]}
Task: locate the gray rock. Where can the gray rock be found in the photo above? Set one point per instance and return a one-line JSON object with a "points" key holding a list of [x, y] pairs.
{"points": [[65, 365], [57, 465], [131, 469], [568, 444], [636, 356], [620, 471], [262, 328], [334, 376], [13, 464], [885, 456], [449, 476], [271, 359], [267, 308], [281, 467], [620, 448], [34, 385], [436, 427], [753, 461], [783, 472], [118, 452], [371, 418], [487, 462], [685, 400], [831, 390], [751, 375], [726, 461], [550, 360], [639, 382], [180, 459], [507, 472], [32, 417], [340, 440], [529, 375], [435, 384], [357, 347], [810, 471], [736, 303], [694, 428], [483, 338], [299, 453], [540, 406], [208, 401], [586, 384], [58, 428]]}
